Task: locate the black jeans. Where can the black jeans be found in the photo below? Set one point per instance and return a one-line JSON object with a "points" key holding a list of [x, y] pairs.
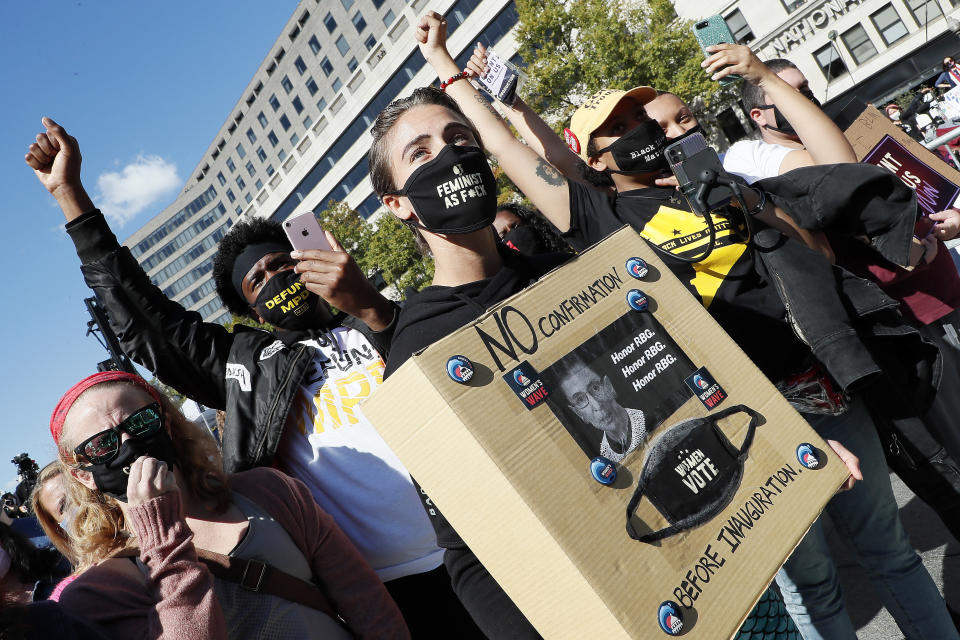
{"points": [[489, 605], [431, 608]]}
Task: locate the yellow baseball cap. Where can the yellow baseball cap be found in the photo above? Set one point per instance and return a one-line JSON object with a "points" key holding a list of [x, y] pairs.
{"points": [[595, 110]]}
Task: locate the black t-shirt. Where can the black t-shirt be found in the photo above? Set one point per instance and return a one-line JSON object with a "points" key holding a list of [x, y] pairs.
{"points": [[727, 282]]}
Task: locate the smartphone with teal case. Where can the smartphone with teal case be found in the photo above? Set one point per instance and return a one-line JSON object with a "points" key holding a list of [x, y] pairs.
{"points": [[714, 30]]}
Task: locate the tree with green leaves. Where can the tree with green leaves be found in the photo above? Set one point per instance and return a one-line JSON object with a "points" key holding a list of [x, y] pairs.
{"points": [[572, 48], [386, 247]]}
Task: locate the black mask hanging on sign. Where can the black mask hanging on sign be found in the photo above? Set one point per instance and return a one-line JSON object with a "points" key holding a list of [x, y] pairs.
{"points": [[691, 473], [453, 193], [111, 477], [286, 303], [785, 127], [524, 239], [639, 150]]}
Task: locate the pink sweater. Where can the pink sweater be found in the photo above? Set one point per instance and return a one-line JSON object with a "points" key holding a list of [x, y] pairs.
{"points": [[177, 599]]}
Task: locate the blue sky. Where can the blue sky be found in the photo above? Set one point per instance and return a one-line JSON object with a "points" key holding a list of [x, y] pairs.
{"points": [[144, 87]]}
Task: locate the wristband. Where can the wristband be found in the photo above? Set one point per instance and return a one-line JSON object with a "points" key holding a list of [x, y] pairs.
{"points": [[757, 208], [446, 83]]}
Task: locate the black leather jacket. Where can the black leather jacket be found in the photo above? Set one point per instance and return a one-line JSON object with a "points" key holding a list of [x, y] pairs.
{"points": [[852, 327], [254, 375]]}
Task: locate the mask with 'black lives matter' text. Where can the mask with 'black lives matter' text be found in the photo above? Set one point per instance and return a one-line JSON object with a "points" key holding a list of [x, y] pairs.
{"points": [[453, 193]]}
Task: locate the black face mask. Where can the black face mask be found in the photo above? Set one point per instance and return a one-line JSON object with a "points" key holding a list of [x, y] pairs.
{"points": [[691, 473], [285, 302], [639, 150], [111, 477], [785, 127], [453, 193], [687, 133], [524, 239]]}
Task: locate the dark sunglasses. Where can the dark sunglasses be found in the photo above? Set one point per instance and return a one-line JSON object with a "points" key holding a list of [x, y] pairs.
{"points": [[103, 447]]}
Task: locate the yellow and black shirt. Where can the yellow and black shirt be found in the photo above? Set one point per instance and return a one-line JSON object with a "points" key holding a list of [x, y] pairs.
{"points": [[727, 282]]}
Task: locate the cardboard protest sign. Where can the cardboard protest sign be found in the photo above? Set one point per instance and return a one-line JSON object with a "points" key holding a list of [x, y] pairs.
{"points": [[876, 140], [500, 423]]}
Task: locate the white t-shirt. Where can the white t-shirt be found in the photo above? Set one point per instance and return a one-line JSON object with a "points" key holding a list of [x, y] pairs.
{"points": [[755, 160], [352, 473]]}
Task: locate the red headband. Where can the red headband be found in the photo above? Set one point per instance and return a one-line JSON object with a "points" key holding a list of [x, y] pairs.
{"points": [[60, 412]]}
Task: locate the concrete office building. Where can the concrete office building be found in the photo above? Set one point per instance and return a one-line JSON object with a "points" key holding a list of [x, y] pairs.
{"points": [[872, 50], [299, 132]]}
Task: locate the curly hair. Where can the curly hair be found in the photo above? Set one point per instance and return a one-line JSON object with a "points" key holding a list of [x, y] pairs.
{"points": [[548, 234], [239, 238], [99, 530], [53, 472]]}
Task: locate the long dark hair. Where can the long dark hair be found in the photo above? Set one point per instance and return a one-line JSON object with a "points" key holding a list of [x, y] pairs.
{"points": [[30, 563]]}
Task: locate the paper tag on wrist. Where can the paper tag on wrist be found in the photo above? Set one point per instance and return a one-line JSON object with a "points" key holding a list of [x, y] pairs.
{"points": [[501, 78]]}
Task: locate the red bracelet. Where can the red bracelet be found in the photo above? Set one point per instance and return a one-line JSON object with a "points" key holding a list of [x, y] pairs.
{"points": [[454, 78]]}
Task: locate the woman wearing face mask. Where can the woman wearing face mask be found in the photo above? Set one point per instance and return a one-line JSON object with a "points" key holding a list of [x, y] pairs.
{"points": [[526, 231], [151, 501], [613, 134]]}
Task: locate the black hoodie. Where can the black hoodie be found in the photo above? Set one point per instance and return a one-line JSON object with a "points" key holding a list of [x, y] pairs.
{"points": [[437, 311]]}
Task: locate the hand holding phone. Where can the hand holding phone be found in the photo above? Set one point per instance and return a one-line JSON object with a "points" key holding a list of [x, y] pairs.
{"points": [[711, 31], [305, 233], [689, 159]]}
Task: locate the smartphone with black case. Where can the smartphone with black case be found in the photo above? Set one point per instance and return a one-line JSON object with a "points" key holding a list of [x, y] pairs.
{"points": [[689, 159], [714, 30]]}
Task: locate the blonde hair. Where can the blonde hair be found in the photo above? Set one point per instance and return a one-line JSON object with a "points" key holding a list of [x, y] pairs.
{"points": [[53, 472], [99, 529]]}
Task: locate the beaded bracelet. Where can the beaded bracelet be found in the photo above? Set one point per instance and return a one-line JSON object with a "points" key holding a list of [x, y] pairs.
{"points": [[451, 80]]}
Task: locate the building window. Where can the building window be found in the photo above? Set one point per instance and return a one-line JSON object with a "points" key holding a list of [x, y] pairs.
{"points": [[371, 42], [307, 122], [272, 137], [388, 18], [730, 125], [258, 184], [247, 198], [297, 105], [314, 45], [336, 84], [238, 210], [284, 122], [251, 136], [282, 155], [312, 85], [220, 177], [792, 5], [924, 11], [230, 195], [739, 28], [352, 64], [330, 23], [830, 62], [358, 22], [859, 44], [270, 169], [241, 151], [230, 165], [286, 84], [241, 183], [888, 23], [300, 65], [321, 104], [294, 139], [262, 119], [326, 66], [261, 154], [346, 4], [378, 3], [343, 46], [250, 170], [274, 102]]}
